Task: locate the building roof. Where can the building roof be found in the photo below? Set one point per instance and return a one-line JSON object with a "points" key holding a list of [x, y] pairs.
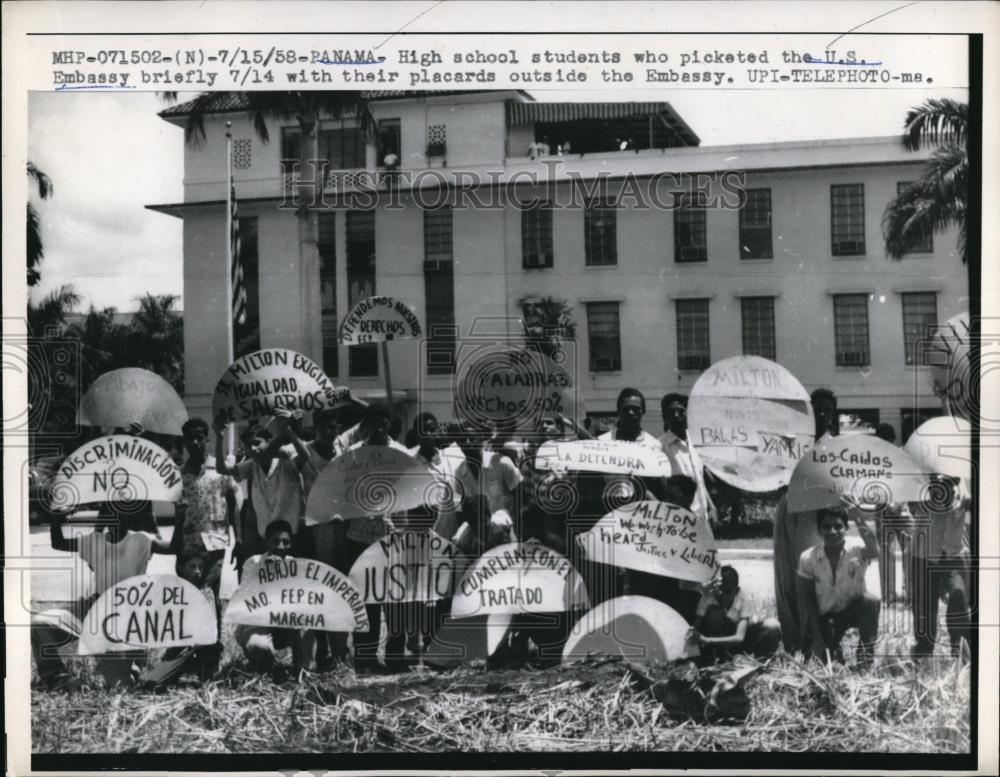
{"points": [[233, 102], [622, 114]]}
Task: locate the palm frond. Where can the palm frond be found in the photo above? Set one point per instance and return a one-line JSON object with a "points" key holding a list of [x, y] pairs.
{"points": [[934, 123], [42, 181]]}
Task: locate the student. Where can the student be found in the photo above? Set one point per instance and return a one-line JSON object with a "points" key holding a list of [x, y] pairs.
{"points": [[940, 567], [202, 659], [631, 407], [796, 532], [362, 532], [831, 590], [684, 458], [325, 542], [261, 644], [113, 555], [276, 488], [725, 624], [207, 513]]}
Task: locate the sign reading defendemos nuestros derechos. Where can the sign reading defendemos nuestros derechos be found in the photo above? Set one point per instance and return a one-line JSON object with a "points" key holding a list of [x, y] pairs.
{"points": [[654, 537], [408, 566], [862, 467], [751, 421], [378, 320], [258, 384], [118, 468], [514, 387], [374, 480], [296, 593], [519, 578], [148, 611]]}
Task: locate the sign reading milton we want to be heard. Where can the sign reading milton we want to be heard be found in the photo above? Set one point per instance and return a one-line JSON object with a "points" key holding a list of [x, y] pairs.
{"points": [[377, 320]]}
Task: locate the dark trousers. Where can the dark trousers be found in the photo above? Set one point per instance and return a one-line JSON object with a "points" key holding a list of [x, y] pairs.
{"points": [[365, 642], [931, 579], [761, 639], [406, 622], [862, 613]]}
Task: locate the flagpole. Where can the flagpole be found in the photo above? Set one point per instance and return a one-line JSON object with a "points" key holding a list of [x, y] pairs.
{"points": [[230, 428]]}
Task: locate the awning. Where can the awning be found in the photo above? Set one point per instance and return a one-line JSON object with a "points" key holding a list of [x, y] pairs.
{"points": [[559, 113]]}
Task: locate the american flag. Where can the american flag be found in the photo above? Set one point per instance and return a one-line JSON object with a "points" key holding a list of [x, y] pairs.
{"points": [[239, 290]]}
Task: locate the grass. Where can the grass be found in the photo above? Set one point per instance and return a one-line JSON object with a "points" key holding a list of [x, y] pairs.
{"points": [[592, 705]]}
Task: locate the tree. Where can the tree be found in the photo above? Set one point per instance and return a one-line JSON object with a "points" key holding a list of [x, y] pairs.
{"points": [[308, 109], [155, 339], [35, 249], [547, 324], [53, 363], [939, 199]]}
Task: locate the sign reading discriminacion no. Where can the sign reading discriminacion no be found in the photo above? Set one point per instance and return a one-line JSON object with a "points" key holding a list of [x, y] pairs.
{"points": [[655, 537], [258, 384], [378, 320]]}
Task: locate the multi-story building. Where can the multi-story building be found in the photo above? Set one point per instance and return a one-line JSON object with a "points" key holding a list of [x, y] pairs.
{"points": [[659, 285]]}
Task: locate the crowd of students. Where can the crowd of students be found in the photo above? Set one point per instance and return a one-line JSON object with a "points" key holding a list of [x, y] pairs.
{"points": [[251, 507]]}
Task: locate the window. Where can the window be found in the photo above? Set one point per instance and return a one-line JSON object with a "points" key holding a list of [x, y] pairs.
{"points": [[755, 225], [328, 292], [242, 158], [758, 326], [437, 139], [692, 334], [439, 291], [847, 219], [919, 323], [600, 233], [690, 243], [923, 241], [246, 336], [389, 143], [362, 360], [850, 329], [604, 335], [536, 236], [343, 148]]}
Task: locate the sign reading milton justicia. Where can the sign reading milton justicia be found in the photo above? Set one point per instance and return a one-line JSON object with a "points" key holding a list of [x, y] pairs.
{"points": [[378, 319]]}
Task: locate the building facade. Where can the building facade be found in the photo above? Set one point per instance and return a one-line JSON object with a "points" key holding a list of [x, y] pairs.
{"points": [[669, 255]]}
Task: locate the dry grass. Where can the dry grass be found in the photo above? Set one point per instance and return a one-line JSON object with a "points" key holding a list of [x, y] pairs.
{"points": [[593, 705]]}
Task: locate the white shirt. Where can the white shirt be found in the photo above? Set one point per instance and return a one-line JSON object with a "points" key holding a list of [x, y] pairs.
{"points": [[499, 477], [276, 494], [684, 460], [444, 465], [835, 592], [644, 439], [372, 528], [113, 562]]}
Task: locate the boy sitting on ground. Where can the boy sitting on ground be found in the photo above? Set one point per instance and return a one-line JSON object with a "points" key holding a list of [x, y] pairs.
{"points": [[831, 590], [725, 623], [261, 644]]}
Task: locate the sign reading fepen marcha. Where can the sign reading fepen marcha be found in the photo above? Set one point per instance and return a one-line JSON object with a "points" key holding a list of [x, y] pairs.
{"points": [[378, 320], [409, 566], [258, 384], [119, 468], [654, 537], [294, 593], [519, 578], [148, 611]]}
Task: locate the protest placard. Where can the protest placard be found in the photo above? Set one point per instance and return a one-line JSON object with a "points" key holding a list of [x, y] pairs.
{"points": [[943, 445], [148, 611], [636, 627], [751, 421], [654, 537], [374, 480], [132, 395], [864, 468], [293, 593], [516, 578], [378, 320], [258, 384], [607, 456], [118, 468], [409, 566], [501, 384]]}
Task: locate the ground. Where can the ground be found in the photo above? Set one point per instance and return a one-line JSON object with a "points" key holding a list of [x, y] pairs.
{"points": [[594, 705]]}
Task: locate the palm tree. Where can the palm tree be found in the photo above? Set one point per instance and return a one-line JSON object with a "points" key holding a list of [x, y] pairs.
{"points": [[155, 338], [35, 249], [547, 324], [308, 109], [939, 199]]}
